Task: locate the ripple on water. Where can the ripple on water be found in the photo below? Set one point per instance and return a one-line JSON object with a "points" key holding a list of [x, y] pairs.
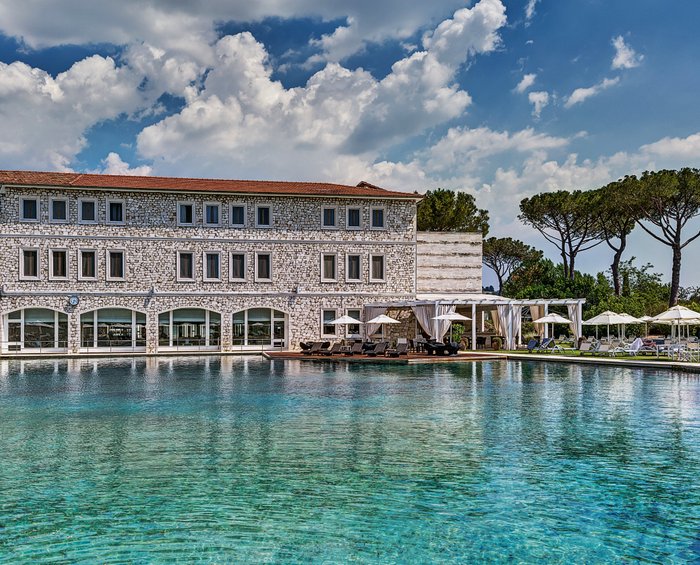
{"points": [[242, 459]]}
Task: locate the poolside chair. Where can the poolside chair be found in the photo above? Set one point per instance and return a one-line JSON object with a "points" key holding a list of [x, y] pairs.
{"points": [[334, 350], [532, 345], [356, 349], [314, 348], [304, 346], [400, 349], [546, 346], [587, 347], [379, 349]]}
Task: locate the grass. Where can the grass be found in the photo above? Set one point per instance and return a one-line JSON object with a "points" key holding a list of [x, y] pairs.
{"points": [[589, 355]]}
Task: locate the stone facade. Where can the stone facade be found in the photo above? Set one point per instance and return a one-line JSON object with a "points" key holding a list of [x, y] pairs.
{"points": [[449, 262], [151, 238]]}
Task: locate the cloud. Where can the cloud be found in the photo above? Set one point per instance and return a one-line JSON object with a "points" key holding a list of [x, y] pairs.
{"points": [[581, 94], [189, 27], [526, 82], [678, 151], [625, 57], [48, 116], [530, 9], [539, 100], [240, 115], [113, 165]]}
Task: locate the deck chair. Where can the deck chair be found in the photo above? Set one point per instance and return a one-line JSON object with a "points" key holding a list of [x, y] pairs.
{"points": [[304, 346], [356, 349], [379, 349], [400, 349], [546, 346], [532, 345], [314, 348], [334, 350]]}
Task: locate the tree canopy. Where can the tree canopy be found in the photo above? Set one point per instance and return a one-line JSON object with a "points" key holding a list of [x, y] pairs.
{"points": [[667, 200], [447, 210], [567, 220], [505, 256]]}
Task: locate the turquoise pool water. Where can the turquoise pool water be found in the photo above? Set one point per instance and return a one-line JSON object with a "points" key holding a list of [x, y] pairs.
{"points": [[243, 460]]}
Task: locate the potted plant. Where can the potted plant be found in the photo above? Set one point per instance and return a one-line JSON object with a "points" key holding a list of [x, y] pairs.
{"points": [[496, 343]]}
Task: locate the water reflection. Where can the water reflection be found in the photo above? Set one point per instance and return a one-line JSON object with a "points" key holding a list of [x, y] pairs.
{"points": [[260, 460]]}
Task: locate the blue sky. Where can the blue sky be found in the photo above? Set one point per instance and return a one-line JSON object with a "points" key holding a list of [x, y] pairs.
{"points": [[499, 98]]}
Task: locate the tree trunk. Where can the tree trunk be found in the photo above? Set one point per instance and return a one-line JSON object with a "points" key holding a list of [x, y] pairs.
{"points": [[675, 274], [565, 262], [615, 267], [572, 269], [500, 283]]}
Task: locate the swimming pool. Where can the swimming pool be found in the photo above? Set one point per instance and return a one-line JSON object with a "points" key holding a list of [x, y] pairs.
{"points": [[242, 459]]}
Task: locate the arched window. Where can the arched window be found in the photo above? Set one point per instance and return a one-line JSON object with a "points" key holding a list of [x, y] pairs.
{"points": [[113, 328], [193, 328], [36, 329], [260, 328]]}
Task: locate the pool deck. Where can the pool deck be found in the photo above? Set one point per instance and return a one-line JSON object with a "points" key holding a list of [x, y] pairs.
{"points": [[469, 356], [410, 359]]}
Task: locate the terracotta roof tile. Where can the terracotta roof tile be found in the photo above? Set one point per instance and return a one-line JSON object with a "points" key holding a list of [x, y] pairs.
{"points": [[124, 182]]}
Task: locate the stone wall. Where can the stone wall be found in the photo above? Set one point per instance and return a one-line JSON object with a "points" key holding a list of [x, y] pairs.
{"points": [[151, 239], [449, 262]]}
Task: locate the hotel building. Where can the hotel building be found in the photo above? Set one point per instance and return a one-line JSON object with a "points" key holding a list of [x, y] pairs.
{"points": [[148, 264]]}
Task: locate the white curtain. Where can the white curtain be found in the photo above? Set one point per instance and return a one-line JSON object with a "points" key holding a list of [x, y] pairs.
{"points": [[537, 312], [441, 326], [373, 312], [496, 323], [424, 314], [503, 320], [516, 317], [574, 316]]}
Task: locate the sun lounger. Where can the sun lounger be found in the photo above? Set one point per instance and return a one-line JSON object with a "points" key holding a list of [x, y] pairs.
{"points": [[379, 349], [532, 345], [304, 346], [356, 349], [334, 350], [314, 348], [546, 346], [400, 349], [441, 349]]}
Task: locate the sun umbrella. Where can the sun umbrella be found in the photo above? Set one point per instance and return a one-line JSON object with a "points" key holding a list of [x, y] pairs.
{"points": [[605, 319], [452, 317], [345, 320], [552, 319], [629, 320], [678, 315], [646, 320], [383, 319]]}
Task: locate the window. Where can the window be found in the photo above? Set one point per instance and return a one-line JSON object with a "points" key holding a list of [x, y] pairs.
{"points": [[378, 219], [353, 269], [353, 329], [238, 216], [58, 210], [376, 268], [328, 329], [263, 217], [185, 266], [29, 209], [354, 218], [115, 212], [212, 214], [87, 269], [58, 264], [212, 266], [237, 266], [87, 211], [263, 267], [185, 214], [29, 264], [328, 217], [116, 265], [328, 267]]}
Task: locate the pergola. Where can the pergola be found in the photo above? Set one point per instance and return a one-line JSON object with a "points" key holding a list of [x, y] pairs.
{"points": [[506, 313]]}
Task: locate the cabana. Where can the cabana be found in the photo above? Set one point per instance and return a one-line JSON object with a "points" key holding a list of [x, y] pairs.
{"points": [[505, 313]]}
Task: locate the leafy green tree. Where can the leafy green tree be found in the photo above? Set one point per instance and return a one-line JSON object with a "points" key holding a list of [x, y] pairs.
{"points": [[565, 219], [506, 256], [667, 200], [447, 210], [616, 221]]}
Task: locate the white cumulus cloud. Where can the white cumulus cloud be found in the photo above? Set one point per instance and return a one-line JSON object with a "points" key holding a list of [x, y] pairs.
{"points": [[539, 100], [581, 94], [625, 57], [526, 82]]}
